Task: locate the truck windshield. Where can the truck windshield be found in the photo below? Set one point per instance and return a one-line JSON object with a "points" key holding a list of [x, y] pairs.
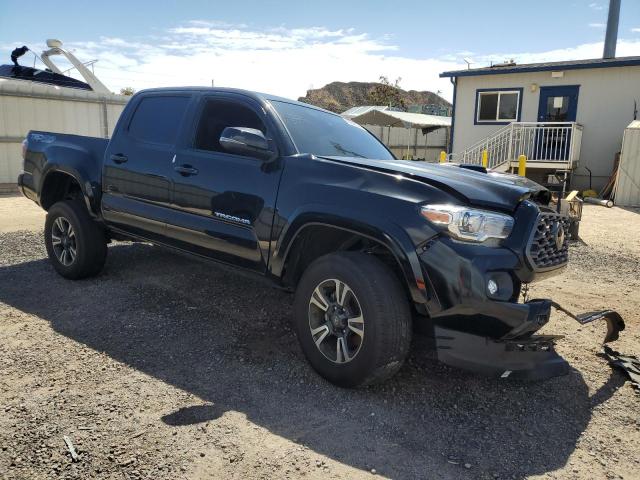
{"points": [[326, 134]]}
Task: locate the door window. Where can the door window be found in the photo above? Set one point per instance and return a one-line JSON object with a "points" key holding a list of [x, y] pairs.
{"points": [[220, 114], [157, 119], [557, 108]]}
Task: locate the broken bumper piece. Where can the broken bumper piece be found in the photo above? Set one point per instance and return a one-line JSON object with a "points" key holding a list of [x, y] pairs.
{"points": [[519, 354], [615, 324]]}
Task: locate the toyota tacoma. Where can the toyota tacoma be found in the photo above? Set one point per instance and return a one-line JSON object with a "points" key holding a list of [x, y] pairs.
{"points": [[373, 247]]}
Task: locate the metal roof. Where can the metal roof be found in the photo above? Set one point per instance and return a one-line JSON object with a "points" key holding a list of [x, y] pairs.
{"points": [[545, 66], [355, 111], [389, 118]]}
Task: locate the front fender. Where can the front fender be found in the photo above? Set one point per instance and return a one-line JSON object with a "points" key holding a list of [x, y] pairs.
{"points": [[386, 233]]}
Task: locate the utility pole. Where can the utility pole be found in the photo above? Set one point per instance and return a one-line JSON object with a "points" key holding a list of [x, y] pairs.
{"points": [[611, 37]]}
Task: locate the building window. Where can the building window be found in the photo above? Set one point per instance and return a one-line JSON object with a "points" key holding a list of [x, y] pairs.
{"points": [[498, 106]]}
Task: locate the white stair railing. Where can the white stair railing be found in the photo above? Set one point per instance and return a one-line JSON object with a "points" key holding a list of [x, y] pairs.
{"points": [[540, 142], [497, 147]]}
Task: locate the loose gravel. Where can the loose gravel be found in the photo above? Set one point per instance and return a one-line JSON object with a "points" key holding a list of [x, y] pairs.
{"points": [[164, 367]]}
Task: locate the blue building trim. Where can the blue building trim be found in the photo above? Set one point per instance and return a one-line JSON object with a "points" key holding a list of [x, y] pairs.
{"points": [[556, 66], [505, 122]]}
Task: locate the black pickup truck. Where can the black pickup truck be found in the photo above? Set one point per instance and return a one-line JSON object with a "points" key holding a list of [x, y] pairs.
{"points": [[372, 246]]}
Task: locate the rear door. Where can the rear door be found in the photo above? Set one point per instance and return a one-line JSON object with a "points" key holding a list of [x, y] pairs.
{"points": [[137, 167], [224, 203]]}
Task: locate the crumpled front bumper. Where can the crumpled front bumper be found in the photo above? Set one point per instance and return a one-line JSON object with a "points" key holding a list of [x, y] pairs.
{"points": [[527, 356], [492, 333]]}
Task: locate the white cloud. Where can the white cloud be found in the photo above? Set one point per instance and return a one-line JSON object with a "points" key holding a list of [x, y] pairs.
{"points": [[282, 61], [596, 6], [285, 61], [597, 25], [216, 23], [636, 30], [588, 50]]}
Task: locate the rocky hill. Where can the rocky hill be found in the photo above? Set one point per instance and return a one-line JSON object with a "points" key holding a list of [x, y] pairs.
{"points": [[340, 96]]}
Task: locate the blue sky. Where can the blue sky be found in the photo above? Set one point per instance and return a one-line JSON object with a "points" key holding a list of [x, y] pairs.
{"points": [[285, 47]]}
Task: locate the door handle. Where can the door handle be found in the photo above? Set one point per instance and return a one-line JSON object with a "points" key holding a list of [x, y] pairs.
{"points": [[119, 158], [186, 170]]}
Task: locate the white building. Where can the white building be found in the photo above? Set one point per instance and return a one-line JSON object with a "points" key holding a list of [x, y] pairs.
{"points": [[564, 116]]}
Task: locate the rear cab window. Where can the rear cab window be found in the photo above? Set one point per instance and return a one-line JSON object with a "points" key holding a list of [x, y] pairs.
{"points": [[158, 118]]}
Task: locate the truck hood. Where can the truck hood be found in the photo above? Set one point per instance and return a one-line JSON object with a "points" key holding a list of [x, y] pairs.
{"points": [[492, 190]]}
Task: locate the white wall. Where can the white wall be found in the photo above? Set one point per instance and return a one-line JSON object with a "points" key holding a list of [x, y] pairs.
{"points": [[397, 138], [605, 108], [27, 106]]}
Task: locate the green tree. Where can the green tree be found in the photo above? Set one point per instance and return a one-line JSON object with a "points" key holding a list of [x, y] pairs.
{"points": [[128, 91], [386, 93]]}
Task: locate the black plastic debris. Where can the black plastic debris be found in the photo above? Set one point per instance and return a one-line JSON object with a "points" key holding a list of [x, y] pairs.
{"points": [[627, 363], [615, 323]]}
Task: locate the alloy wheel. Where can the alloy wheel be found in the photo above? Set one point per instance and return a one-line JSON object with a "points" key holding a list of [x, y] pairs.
{"points": [[336, 321], [63, 241]]}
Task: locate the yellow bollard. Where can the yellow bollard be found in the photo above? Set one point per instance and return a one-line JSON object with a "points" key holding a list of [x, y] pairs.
{"points": [[522, 165], [443, 156], [485, 158]]}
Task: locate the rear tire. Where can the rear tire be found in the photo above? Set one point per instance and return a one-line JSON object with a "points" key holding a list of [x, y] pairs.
{"points": [[76, 244], [364, 333]]}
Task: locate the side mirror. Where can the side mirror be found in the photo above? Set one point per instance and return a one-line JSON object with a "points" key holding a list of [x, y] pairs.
{"points": [[249, 142]]}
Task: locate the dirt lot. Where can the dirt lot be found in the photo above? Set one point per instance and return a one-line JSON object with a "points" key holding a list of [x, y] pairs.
{"points": [[17, 213], [164, 367]]}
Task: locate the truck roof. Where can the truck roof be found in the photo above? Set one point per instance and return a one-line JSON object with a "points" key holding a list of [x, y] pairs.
{"points": [[261, 97]]}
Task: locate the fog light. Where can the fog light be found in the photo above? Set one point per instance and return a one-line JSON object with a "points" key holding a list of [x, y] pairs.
{"points": [[499, 286], [492, 287]]}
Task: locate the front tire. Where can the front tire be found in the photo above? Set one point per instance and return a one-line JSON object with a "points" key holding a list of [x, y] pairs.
{"points": [[352, 319], [76, 244]]}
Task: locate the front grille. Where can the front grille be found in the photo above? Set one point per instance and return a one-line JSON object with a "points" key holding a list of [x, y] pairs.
{"points": [[549, 244]]}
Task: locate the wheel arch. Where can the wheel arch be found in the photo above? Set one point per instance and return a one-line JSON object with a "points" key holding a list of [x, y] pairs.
{"points": [[59, 184], [333, 233]]}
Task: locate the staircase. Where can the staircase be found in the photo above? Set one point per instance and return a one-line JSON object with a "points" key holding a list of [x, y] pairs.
{"points": [[546, 145]]}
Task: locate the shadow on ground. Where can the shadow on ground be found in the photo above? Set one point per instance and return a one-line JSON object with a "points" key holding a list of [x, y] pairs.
{"points": [[226, 338], [631, 209]]}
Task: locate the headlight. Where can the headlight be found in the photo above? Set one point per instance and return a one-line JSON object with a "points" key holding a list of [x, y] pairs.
{"points": [[467, 223]]}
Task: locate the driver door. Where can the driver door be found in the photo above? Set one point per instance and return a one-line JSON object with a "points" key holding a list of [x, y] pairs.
{"points": [[223, 202]]}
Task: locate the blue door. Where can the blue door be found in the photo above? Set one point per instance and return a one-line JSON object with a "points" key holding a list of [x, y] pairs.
{"points": [[557, 106]]}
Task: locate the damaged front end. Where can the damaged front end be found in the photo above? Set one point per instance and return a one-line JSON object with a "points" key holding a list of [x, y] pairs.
{"points": [[528, 356], [476, 319]]}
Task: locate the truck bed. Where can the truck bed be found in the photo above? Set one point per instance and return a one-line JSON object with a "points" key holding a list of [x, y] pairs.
{"points": [[77, 155]]}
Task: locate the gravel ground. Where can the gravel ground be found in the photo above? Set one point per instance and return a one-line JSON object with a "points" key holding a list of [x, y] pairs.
{"points": [[164, 367]]}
